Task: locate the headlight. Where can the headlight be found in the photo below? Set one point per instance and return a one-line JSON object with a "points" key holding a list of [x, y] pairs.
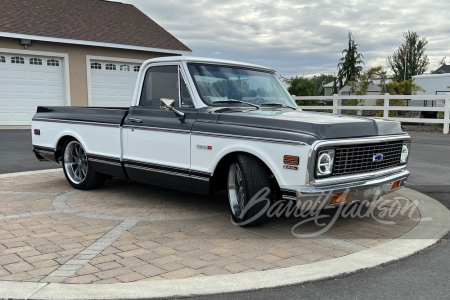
{"points": [[325, 162], [405, 153]]}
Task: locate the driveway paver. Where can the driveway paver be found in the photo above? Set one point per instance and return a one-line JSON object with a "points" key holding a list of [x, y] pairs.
{"points": [[130, 232]]}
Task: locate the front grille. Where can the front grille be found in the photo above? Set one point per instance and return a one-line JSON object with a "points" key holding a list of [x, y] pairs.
{"points": [[355, 159]]}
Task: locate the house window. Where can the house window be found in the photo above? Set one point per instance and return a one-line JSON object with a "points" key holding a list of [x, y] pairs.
{"points": [[111, 67], [124, 68], [96, 66], [137, 68], [2, 59], [36, 61], [53, 62], [17, 60]]}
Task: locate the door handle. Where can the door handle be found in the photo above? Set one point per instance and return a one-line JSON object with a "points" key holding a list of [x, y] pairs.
{"points": [[135, 120]]}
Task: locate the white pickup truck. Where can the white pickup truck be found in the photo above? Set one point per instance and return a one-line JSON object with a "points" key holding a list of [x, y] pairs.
{"points": [[203, 125]]}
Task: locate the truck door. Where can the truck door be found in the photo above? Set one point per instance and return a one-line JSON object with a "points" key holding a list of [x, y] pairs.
{"points": [[157, 142]]}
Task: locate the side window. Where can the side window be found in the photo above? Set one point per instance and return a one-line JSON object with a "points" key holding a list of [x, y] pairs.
{"points": [[160, 82], [186, 99]]}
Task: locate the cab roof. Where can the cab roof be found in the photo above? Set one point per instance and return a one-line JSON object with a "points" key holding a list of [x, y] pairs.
{"points": [[206, 60]]}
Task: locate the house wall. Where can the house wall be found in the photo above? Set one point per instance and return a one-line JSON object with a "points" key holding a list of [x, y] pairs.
{"points": [[77, 61], [433, 83]]}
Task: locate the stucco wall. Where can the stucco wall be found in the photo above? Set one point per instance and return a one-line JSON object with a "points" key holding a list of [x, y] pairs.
{"points": [[77, 61]]}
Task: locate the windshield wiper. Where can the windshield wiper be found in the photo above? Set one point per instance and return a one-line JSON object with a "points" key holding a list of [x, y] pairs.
{"points": [[236, 101], [278, 104]]}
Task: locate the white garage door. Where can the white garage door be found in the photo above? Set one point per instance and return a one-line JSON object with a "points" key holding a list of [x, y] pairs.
{"points": [[112, 83], [27, 82]]}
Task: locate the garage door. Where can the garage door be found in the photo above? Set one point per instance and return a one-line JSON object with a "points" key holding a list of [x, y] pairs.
{"points": [[27, 82], [112, 83]]}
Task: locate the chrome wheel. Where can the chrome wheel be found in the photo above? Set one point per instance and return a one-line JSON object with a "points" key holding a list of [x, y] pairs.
{"points": [[236, 191], [75, 162]]}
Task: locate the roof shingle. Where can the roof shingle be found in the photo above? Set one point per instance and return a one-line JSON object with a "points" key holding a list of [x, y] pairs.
{"points": [[442, 69], [86, 20]]}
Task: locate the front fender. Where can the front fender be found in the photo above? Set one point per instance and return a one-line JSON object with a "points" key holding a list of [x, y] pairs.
{"points": [[270, 153]]}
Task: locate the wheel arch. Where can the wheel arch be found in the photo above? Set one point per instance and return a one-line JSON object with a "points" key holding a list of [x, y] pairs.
{"points": [[219, 175], [60, 144]]}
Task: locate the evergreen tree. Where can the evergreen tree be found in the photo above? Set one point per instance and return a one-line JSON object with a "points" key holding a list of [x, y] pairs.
{"points": [[351, 63]]}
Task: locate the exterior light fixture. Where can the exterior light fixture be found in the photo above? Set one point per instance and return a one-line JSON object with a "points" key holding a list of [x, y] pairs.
{"points": [[25, 43]]}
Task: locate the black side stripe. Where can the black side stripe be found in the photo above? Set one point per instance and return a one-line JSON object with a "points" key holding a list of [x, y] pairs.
{"points": [[44, 149], [180, 131], [168, 170], [104, 159], [132, 164], [248, 138]]}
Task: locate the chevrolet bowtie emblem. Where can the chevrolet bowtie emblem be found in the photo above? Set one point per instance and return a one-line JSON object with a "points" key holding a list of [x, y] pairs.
{"points": [[378, 157]]}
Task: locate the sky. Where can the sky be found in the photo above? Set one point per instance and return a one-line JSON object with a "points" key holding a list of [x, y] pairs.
{"points": [[301, 37]]}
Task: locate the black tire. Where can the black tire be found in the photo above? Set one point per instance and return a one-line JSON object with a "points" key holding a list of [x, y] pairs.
{"points": [[90, 179], [245, 209]]}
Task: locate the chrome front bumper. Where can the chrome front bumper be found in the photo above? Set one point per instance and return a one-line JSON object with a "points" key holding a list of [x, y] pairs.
{"points": [[368, 189]]}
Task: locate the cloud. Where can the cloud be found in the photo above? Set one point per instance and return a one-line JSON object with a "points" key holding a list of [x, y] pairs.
{"points": [[300, 37]]}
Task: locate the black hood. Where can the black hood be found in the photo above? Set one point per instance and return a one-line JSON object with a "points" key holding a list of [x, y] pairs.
{"points": [[319, 125]]}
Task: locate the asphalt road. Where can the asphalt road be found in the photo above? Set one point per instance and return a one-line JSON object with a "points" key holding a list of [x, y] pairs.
{"points": [[16, 153], [423, 276]]}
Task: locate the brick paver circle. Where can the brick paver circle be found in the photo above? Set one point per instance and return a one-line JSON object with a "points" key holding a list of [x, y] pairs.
{"points": [[128, 232]]}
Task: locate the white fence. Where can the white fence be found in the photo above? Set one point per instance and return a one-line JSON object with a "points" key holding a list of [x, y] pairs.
{"points": [[337, 106]]}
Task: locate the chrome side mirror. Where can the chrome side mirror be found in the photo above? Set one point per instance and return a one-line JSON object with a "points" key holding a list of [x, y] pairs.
{"points": [[169, 104]]}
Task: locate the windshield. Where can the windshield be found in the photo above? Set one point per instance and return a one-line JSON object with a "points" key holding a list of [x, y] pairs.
{"points": [[222, 83]]}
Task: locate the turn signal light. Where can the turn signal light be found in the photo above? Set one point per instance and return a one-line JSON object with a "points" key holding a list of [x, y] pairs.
{"points": [[396, 184], [37, 132], [340, 198], [291, 160]]}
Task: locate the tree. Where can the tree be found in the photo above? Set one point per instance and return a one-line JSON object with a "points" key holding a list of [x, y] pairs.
{"points": [[378, 76], [442, 62], [351, 63], [406, 87], [416, 60], [360, 85], [302, 86], [364, 80], [320, 81]]}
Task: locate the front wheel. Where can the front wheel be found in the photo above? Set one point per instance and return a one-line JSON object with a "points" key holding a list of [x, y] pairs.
{"points": [[78, 169], [248, 190]]}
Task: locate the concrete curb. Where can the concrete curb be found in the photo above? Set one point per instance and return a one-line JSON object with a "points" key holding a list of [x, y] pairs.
{"points": [[433, 226]]}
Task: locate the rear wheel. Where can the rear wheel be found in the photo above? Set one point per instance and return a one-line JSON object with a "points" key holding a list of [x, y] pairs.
{"points": [[248, 190], [78, 169]]}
